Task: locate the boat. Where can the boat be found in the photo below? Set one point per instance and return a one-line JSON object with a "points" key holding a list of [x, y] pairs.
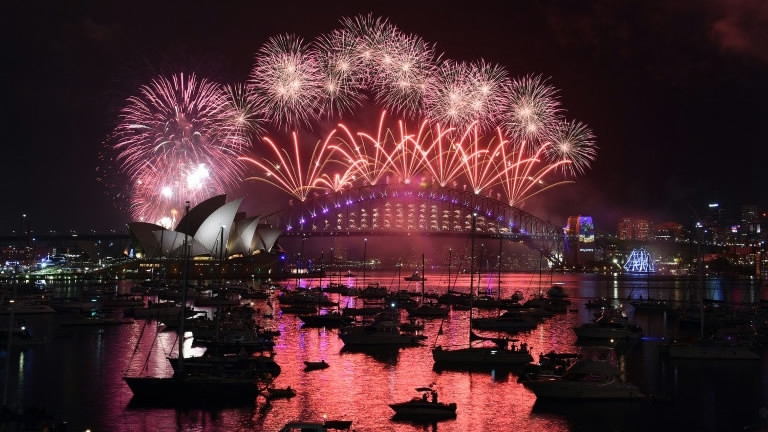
{"points": [[257, 365], [316, 426], [609, 325], [384, 329], [334, 319], [595, 376], [550, 364], [424, 407], [279, 393], [415, 277], [509, 321], [426, 309], [709, 348], [315, 365], [481, 352], [192, 387], [20, 337]]}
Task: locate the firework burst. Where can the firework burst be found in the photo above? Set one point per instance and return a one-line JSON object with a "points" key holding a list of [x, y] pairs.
{"points": [[574, 142], [532, 108], [287, 82], [466, 94], [178, 140]]}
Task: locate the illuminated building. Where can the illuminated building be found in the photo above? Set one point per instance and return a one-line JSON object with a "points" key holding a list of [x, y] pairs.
{"points": [[633, 229], [581, 240]]}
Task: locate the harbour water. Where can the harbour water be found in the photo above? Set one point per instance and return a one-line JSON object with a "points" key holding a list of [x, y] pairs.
{"points": [[77, 374]]}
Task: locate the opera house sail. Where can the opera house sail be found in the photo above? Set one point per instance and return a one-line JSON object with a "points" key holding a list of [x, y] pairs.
{"points": [[218, 234]]}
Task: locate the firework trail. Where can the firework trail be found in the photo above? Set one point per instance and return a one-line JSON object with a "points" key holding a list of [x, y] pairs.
{"points": [[178, 140], [286, 171], [369, 149], [526, 173]]}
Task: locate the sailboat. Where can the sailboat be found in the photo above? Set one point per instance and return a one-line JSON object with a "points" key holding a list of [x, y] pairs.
{"points": [[426, 310], [502, 353], [199, 387], [708, 348]]}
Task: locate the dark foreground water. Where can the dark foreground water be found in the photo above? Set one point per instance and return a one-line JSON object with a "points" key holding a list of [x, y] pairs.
{"points": [[77, 375]]}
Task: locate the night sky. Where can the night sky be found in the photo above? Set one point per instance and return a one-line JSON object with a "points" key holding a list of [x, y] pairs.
{"points": [[675, 92]]}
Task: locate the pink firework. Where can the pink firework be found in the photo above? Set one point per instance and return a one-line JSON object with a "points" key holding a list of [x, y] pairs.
{"points": [[532, 108], [466, 94], [292, 172], [483, 163], [368, 148], [178, 140], [404, 73], [287, 82], [527, 173], [571, 141], [342, 72]]}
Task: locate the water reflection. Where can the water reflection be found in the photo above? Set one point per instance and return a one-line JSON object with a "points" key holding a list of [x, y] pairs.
{"points": [[359, 384]]}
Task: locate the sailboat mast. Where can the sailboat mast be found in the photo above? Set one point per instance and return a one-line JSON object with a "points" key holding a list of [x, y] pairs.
{"points": [[472, 274], [422, 278], [450, 257], [498, 264], [185, 255]]}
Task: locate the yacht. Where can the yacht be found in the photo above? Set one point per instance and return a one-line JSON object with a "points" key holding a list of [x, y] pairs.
{"points": [[589, 378], [424, 408], [383, 330], [609, 325]]}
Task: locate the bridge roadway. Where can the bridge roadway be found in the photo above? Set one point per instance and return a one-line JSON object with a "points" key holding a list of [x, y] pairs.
{"points": [[428, 210]]}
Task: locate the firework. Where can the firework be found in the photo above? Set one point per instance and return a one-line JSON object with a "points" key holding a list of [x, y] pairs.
{"points": [[177, 140], [526, 173], [287, 82], [246, 115], [467, 94], [368, 148], [531, 108], [286, 171], [574, 142], [341, 68], [457, 123]]}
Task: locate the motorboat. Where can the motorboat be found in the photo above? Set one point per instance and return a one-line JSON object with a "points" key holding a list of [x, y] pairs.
{"points": [[415, 277], [279, 393], [592, 377], [315, 365], [424, 407], [551, 364], [316, 426]]}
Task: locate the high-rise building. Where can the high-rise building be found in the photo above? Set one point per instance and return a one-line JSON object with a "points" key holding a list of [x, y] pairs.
{"points": [[581, 240], [633, 229]]}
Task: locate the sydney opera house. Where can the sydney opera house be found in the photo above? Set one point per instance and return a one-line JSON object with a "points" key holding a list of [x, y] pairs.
{"points": [[221, 241]]}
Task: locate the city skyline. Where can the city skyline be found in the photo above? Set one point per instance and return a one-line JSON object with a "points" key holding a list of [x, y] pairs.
{"points": [[672, 95]]}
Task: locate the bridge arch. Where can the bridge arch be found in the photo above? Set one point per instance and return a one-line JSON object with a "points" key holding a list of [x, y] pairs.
{"points": [[415, 209]]}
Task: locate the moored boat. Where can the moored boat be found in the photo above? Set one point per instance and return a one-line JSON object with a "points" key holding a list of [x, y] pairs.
{"points": [[424, 408]]}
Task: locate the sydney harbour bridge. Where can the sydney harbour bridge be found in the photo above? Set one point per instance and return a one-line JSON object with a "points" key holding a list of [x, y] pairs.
{"points": [[395, 210]]}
